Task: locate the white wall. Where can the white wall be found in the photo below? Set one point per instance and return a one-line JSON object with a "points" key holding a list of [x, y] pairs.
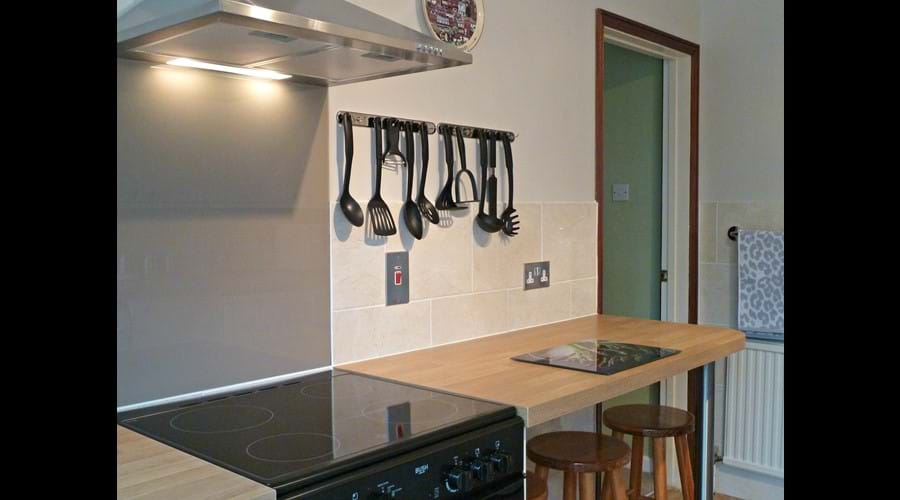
{"points": [[742, 100], [741, 169], [533, 73]]}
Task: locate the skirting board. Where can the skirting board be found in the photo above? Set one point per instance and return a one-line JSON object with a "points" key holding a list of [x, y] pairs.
{"points": [[742, 483]]}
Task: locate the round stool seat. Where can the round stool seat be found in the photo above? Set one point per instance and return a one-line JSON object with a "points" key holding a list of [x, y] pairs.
{"points": [[649, 420], [578, 451], [535, 487]]}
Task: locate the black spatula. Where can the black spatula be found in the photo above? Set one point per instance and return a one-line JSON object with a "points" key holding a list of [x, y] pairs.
{"points": [[379, 213]]}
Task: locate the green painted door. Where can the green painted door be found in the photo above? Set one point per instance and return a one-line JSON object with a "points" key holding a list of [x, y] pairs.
{"points": [[632, 156]]}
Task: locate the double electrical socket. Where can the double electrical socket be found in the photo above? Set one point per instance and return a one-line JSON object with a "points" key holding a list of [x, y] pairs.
{"points": [[537, 275]]}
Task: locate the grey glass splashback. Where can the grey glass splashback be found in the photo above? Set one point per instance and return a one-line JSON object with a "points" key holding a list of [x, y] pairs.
{"points": [[222, 244]]}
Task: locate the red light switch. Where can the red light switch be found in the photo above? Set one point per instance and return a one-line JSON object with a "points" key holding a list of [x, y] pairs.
{"points": [[398, 278]]}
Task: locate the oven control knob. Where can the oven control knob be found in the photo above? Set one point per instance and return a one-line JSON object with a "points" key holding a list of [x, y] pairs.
{"points": [[502, 461], [483, 471], [458, 479]]}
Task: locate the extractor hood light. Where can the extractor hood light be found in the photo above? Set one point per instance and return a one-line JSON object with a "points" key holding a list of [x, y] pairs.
{"points": [[257, 73]]}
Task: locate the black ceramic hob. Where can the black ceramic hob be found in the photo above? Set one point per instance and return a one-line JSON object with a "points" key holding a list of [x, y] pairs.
{"points": [[597, 356], [301, 432]]}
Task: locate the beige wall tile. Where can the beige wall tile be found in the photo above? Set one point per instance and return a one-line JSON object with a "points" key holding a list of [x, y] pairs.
{"points": [[468, 316], [440, 264], [707, 236], [570, 240], [357, 264], [379, 331], [499, 258], [718, 294], [543, 305], [584, 297], [756, 215]]}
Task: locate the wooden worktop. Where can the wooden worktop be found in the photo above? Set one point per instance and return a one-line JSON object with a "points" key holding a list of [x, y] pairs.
{"points": [[148, 469], [482, 368]]}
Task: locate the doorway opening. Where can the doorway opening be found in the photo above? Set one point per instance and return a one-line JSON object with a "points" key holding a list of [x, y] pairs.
{"points": [[659, 266]]}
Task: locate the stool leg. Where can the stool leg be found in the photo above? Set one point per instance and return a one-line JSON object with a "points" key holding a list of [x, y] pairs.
{"points": [[605, 486], [541, 471], [618, 485], [586, 486], [684, 466], [637, 465], [570, 485], [606, 492], [659, 469]]}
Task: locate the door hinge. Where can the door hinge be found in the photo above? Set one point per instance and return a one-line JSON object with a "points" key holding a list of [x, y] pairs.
{"points": [[664, 276]]}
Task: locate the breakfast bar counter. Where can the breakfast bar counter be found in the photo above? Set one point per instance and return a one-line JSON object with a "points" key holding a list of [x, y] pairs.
{"points": [[482, 368]]}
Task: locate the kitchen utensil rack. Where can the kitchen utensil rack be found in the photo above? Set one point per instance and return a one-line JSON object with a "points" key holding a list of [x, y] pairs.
{"points": [[367, 120], [470, 132]]}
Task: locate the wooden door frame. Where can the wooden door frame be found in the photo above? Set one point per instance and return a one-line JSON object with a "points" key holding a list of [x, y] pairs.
{"points": [[604, 20]]}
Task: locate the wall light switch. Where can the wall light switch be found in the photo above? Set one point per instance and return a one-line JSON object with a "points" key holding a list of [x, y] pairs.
{"points": [[396, 278], [620, 192], [537, 275]]}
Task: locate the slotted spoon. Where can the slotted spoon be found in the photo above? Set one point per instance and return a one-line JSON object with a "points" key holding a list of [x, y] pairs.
{"points": [[379, 213], [425, 205]]}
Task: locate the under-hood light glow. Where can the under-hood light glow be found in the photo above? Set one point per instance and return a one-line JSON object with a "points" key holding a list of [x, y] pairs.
{"points": [[257, 73]]}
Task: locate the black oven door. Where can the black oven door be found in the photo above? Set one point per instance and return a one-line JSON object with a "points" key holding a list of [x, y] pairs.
{"points": [[514, 489]]}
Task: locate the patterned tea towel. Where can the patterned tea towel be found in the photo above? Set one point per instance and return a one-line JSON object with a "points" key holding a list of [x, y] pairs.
{"points": [[761, 283]]}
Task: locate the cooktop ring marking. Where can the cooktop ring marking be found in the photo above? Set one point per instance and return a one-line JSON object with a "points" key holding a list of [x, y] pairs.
{"points": [[267, 419], [336, 445], [371, 410]]}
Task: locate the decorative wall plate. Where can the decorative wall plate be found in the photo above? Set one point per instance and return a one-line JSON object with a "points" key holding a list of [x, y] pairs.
{"points": [[458, 22]]}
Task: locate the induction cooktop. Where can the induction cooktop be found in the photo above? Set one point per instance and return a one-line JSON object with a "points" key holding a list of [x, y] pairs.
{"points": [[597, 356], [315, 427]]}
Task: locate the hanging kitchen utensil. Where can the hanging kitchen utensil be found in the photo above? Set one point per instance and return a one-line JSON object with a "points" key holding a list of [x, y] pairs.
{"points": [[464, 173], [509, 216], [445, 199], [488, 223], [411, 215], [349, 206], [492, 180], [393, 158], [425, 206], [379, 213]]}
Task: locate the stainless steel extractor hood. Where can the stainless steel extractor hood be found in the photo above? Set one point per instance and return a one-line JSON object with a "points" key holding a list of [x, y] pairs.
{"points": [[318, 42]]}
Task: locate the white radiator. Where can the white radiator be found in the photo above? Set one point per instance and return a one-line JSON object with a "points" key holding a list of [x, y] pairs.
{"points": [[754, 409]]}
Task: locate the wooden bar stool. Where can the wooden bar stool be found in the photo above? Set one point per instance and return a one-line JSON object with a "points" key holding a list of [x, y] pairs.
{"points": [[580, 455], [655, 422], [536, 488]]}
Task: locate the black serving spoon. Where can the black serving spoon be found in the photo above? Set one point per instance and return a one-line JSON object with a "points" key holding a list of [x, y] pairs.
{"points": [[488, 222], [411, 214], [425, 205], [349, 206]]}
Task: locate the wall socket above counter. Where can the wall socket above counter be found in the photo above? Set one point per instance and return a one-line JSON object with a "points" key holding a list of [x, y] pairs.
{"points": [[537, 275]]}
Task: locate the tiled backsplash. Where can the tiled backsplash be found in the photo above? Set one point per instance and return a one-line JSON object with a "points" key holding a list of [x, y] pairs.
{"points": [[464, 283], [718, 254]]}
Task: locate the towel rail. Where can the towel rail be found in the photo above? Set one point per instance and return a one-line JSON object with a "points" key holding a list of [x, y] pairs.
{"points": [[733, 232]]}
